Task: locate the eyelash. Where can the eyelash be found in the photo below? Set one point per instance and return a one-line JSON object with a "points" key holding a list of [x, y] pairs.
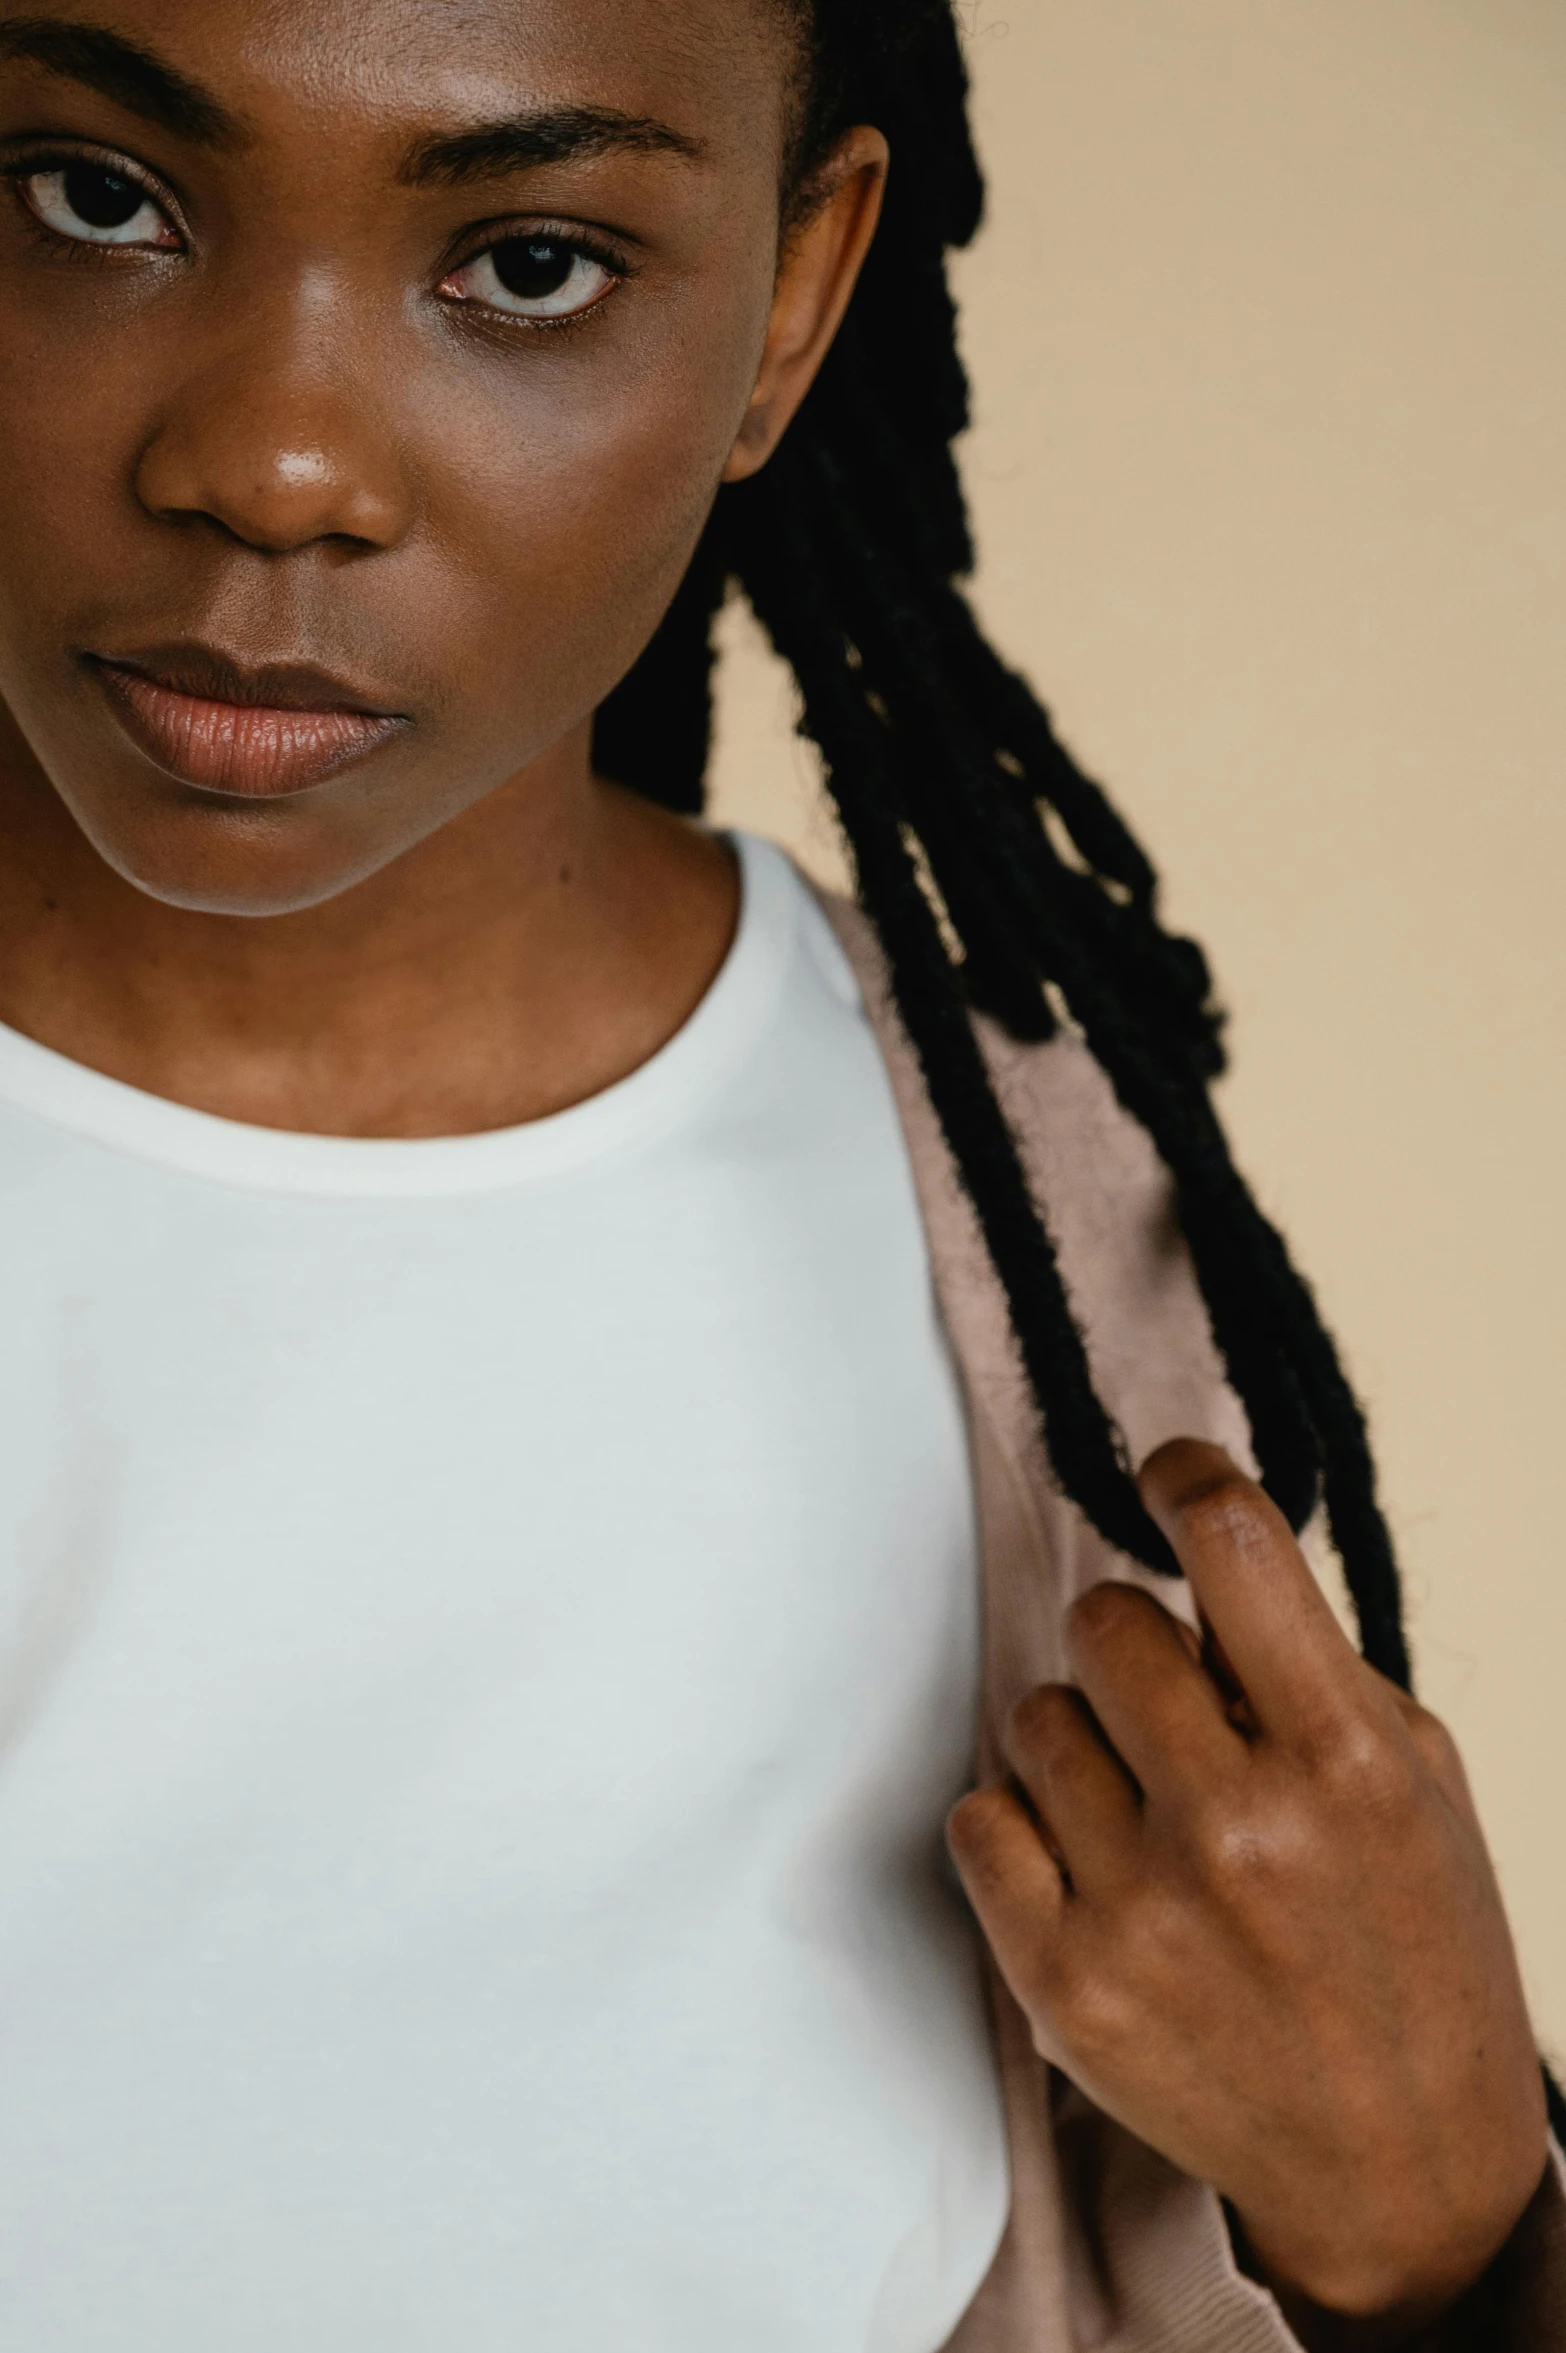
{"points": [[59, 159], [569, 238]]}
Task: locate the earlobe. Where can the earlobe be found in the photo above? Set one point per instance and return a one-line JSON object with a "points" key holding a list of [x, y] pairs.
{"points": [[816, 278], [753, 444]]}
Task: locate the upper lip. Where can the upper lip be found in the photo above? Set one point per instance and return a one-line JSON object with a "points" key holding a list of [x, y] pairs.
{"points": [[189, 667]]}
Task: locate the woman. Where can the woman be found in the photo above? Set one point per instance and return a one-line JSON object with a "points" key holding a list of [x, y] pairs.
{"points": [[494, 1528]]}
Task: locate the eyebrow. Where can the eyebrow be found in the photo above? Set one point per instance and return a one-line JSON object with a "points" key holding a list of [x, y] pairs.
{"points": [[116, 68], [556, 134], [148, 86]]}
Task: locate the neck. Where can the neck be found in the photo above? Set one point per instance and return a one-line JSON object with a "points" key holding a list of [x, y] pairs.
{"points": [[527, 955]]}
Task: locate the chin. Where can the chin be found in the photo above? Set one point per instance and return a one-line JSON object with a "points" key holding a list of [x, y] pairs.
{"points": [[244, 862]]}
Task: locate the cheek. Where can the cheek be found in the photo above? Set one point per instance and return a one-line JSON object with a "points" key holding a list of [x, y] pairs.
{"points": [[68, 425], [555, 497], [566, 503]]}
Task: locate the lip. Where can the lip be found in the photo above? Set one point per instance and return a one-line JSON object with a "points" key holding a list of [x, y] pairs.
{"points": [[256, 733]]}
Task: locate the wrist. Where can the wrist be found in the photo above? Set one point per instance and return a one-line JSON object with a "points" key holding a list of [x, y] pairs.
{"points": [[1382, 2306], [1400, 2329]]}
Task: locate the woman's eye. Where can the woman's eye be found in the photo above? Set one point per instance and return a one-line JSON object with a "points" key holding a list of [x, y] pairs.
{"points": [[533, 278], [93, 205]]}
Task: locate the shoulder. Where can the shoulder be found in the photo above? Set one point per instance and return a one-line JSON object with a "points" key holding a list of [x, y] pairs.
{"points": [[1104, 1194]]}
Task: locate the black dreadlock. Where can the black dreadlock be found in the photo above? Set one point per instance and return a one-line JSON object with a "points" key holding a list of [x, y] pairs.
{"points": [[945, 769], [849, 546]]}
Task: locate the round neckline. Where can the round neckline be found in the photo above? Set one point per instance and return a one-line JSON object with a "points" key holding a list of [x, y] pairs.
{"points": [[707, 1045]]}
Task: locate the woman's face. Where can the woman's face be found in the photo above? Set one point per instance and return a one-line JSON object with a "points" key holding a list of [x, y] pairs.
{"points": [[403, 341]]}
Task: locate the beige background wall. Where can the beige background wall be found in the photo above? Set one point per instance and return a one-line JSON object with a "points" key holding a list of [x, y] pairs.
{"points": [[1269, 339]]}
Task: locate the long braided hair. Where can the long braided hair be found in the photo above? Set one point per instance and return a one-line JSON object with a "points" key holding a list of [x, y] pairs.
{"points": [[851, 545]]}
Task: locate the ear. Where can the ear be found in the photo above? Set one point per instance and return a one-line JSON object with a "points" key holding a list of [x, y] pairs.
{"points": [[821, 260]]}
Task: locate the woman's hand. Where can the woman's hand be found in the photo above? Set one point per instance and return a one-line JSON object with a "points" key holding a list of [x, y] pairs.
{"points": [[1241, 1893]]}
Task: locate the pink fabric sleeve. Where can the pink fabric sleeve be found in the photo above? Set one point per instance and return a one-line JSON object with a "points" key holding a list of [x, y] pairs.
{"points": [[1109, 2247]]}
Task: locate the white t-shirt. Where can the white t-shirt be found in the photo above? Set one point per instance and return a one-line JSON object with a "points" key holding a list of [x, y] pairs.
{"points": [[487, 1640]]}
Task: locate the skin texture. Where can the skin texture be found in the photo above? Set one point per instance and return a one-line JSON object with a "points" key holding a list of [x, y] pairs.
{"points": [[1240, 1890], [283, 432], [280, 440]]}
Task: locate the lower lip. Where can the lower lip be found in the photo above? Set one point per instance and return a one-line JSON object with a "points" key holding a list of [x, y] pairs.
{"points": [[254, 750]]}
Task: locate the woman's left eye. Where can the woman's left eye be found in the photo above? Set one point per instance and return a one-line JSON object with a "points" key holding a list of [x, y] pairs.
{"points": [[533, 278], [93, 205]]}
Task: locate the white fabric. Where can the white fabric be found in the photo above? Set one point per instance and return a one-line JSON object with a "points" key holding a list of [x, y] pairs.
{"points": [[487, 1639]]}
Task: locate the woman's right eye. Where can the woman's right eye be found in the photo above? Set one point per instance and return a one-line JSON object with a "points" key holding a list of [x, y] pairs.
{"points": [[94, 205]]}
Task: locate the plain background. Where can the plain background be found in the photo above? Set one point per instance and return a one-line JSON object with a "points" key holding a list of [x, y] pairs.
{"points": [[1268, 334]]}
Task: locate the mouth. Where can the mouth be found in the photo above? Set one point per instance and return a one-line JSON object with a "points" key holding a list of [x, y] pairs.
{"points": [[256, 734]]}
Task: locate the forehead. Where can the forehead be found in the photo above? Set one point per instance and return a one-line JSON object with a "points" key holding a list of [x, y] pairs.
{"points": [[717, 71]]}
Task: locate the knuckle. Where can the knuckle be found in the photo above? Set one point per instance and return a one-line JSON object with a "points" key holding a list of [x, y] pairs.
{"points": [[1360, 1769], [1044, 1723], [1225, 1511], [1105, 1610], [1098, 2017], [1248, 1853], [1436, 1745], [974, 1824], [1237, 1852]]}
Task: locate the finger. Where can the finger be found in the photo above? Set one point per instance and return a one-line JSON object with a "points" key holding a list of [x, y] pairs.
{"points": [[1013, 1885], [1217, 1664], [1439, 1752], [1297, 1667], [1155, 1701], [1088, 1801]]}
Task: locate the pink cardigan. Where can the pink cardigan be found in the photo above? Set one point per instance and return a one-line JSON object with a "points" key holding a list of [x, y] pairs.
{"points": [[1108, 2246]]}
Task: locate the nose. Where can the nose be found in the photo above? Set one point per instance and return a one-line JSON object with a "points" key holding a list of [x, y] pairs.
{"points": [[277, 457]]}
